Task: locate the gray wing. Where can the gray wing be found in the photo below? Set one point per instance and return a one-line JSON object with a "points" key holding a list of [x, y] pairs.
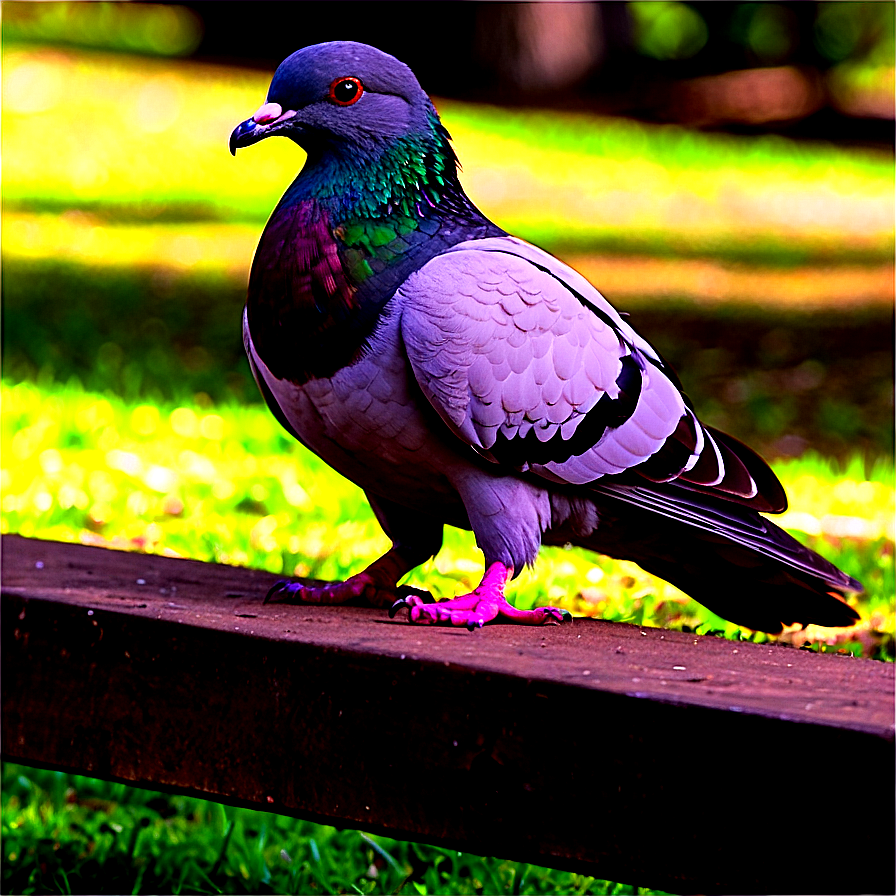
{"points": [[533, 368]]}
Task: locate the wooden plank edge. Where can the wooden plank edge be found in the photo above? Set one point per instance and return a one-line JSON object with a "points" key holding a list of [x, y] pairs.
{"points": [[490, 763]]}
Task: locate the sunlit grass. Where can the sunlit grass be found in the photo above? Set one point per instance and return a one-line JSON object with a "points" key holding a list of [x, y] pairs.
{"points": [[220, 248], [226, 484], [571, 180], [147, 139], [85, 238]]}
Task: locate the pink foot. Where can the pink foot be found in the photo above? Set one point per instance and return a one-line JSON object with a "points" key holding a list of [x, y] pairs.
{"points": [[484, 604], [360, 585], [377, 584]]}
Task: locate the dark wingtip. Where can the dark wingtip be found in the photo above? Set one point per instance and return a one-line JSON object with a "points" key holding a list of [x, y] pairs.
{"points": [[771, 497], [747, 478]]}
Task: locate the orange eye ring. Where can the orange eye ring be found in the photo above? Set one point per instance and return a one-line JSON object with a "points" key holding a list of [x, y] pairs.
{"points": [[346, 91]]}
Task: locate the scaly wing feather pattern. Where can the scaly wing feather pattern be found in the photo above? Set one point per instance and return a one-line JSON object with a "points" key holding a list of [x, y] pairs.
{"points": [[533, 368], [526, 373]]}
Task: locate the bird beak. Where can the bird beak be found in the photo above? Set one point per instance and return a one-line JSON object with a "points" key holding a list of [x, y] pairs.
{"points": [[266, 121]]}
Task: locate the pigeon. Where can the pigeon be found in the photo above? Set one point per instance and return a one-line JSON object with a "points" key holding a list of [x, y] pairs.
{"points": [[462, 376]]}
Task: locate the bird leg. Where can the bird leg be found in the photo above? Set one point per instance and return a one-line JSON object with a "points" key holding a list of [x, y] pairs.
{"points": [[377, 584], [485, 603]]}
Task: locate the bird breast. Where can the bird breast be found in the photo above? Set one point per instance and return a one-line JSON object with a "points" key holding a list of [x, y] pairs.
{"points": [[368, 422]]}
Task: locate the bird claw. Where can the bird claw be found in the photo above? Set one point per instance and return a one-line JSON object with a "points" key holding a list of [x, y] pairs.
{"points": [[558, 615], [287, 592], [277, 588], [417, 595], [484, 605], [413, 597], [358, 586], [398, 605]]}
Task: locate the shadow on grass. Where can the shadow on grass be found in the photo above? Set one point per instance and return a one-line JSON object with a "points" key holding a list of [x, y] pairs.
{"points": [[782, 380]]}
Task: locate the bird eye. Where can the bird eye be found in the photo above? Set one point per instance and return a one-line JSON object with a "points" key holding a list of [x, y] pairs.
{"points": [[345, 91]]}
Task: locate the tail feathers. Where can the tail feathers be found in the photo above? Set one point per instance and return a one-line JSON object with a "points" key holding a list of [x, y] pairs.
{"points": [[726, 556], [756, 592]]}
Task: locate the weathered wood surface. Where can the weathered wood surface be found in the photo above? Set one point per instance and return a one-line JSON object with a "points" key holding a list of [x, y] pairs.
{"points": [[664, 759]]}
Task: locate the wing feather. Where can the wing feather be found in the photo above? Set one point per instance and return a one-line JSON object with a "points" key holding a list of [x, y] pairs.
{"points": [[542, 356], [533, 368]]}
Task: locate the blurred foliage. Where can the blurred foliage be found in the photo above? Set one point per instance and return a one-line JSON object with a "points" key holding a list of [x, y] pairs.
{"points": [[228, 484], [784, 382], [140, 332], [623, 186], [152, 28], [71, 834], [769, 33], [768, 30], [141, 138], [666, 29], [853, 40], [860, 31]]}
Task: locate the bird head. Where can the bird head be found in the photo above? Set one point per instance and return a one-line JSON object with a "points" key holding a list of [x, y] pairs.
{"points": [[339, 94]]}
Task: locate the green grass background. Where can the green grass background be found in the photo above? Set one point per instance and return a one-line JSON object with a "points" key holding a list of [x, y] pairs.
{"points": [[70, 834]]}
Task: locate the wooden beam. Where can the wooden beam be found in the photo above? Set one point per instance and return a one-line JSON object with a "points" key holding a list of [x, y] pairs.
{"points": [[659, 758]]}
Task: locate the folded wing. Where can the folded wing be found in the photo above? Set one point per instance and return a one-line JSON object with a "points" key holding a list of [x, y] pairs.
{"points": [[534, 369]]}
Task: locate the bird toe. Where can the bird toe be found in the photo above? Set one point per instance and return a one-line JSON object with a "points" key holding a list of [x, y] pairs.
{"points": [[279, 592], [400, 604]]}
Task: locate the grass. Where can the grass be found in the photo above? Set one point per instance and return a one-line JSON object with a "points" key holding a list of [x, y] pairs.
{"points": [[70, 834], [615, 185], [227, 484]]}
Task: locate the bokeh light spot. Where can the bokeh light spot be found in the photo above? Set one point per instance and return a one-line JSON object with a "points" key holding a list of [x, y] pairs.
{"points": [[212, 427], [145, 419], [668, 30], [184, 422], [32, 87]]}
